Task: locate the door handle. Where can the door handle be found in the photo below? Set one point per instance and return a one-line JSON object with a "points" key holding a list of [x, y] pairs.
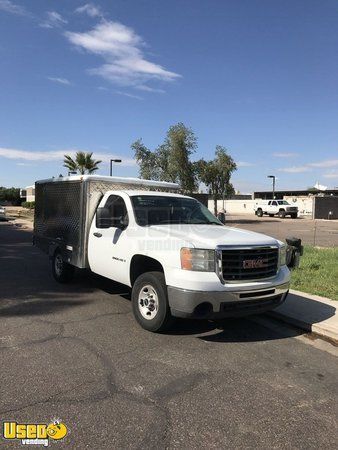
{"points": [[97, 234]]}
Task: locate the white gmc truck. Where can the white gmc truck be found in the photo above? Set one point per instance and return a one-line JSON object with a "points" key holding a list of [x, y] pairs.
{"points": [[281, 208], [178, 259]]}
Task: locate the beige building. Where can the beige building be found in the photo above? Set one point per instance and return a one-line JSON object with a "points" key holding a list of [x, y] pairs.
{"points": [[28, 193], [246, 206]]}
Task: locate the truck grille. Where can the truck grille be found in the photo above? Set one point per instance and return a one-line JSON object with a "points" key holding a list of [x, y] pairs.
{"points": [[249, 264]]}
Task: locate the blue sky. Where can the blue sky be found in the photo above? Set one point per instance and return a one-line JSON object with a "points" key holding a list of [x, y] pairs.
{"points": [[257, 76]]}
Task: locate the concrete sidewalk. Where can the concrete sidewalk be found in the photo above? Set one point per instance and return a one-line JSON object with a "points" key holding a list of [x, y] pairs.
{"points": [[311, 313]]}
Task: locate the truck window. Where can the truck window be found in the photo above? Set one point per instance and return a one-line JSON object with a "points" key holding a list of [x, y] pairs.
{"points": [[117, 210], [161, 210], [274, 203]]}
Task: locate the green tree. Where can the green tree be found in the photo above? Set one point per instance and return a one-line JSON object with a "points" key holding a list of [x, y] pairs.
{"points": [[11, 195], [216, 174], [171, 160], [82, 163], [147, 161], [180, 144]]}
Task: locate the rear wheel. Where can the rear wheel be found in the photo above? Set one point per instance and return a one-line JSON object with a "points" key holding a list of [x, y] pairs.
{"points": [[150, 302], [259, 212], [62, 271], [281, 214]]}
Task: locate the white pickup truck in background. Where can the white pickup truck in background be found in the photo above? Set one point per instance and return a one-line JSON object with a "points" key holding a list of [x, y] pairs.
{"points": [[281, 208], [175, 255]]}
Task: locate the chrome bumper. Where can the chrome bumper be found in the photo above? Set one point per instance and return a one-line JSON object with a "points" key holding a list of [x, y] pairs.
{"points": [[208, 305]]}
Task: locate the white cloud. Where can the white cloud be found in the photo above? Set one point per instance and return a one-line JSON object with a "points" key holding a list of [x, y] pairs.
{"points": [[295, 169], [57, 155], [310, 166], [121, 49], [326, 163], [13, 8], [90, 9], [59, 80], [127, 94], [245, 164], [332, 174], [285, 154], [144, 87], [53, 20]]}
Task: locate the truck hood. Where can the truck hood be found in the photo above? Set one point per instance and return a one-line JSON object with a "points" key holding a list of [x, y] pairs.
{"points": [[209, 236]]}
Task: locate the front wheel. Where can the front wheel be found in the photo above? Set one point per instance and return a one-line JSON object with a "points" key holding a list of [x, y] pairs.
{"points": [[62, 271], [281, 214], [259, 212], [150, 302]]}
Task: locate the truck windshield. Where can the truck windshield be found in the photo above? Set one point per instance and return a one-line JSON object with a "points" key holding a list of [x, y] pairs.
{"points": [[161, 210]]}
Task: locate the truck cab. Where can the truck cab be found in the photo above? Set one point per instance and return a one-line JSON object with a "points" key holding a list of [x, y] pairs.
{"points": [[170, 245]]}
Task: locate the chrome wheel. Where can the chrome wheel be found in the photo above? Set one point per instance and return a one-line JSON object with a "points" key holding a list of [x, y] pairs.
{"points": [[58, 263], [148, 302]]}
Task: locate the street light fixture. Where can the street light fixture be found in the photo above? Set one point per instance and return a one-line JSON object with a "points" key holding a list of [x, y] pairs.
{"points": [[273, 185], [111, 165]]}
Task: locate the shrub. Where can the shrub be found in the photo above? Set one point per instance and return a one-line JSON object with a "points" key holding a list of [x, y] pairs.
{"points": [[28, 205]]}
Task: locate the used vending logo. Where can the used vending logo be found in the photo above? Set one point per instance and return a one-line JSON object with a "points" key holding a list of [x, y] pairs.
{"points": [[34, 433]]}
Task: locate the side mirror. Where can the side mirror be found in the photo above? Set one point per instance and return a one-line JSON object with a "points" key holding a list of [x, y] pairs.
{"points": [[103, 219], [120, 222]]}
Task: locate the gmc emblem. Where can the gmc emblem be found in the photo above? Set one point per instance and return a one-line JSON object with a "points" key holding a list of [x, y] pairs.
{"points": [[259, 263]]}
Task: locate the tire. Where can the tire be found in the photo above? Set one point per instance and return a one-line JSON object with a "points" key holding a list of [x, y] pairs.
{"points": [[281, 214], [259, 212], [61, 270], [150, 287], [293, 216]]}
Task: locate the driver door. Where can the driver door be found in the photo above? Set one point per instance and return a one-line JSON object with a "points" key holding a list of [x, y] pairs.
{"points": [[107, 246]]}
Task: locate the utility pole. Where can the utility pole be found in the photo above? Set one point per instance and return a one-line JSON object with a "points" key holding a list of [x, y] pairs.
{"points": [[111, 165], [273, 185]]}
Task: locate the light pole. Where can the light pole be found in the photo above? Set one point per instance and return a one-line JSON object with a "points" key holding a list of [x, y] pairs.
{"points": [[111, 165], [273, 185]]}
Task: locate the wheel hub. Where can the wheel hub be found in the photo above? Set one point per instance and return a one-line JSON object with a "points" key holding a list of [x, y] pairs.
{"points": [[148, 302]]}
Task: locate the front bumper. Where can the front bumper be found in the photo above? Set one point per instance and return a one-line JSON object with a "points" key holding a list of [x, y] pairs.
{"points": [[218, 304]]}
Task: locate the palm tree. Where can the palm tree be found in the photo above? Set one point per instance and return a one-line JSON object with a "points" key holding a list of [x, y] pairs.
{"points": [[82, 163]]}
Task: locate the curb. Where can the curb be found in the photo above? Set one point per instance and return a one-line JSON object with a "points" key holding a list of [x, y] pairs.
{"points": [[296, 313]]}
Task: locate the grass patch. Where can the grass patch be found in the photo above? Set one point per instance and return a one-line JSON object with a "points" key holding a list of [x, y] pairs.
{"points": [[318, 272]]}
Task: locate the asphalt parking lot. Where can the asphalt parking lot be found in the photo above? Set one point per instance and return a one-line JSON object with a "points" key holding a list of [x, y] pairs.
{"points": [[322, 233], [74, 352]]}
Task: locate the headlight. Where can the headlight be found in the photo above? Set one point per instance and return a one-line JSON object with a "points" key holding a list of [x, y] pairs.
{"points": [[197, 259], [282, 255]]}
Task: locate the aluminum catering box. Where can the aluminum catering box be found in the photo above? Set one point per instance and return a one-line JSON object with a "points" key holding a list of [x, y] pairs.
{"points": [[65, 207]]}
